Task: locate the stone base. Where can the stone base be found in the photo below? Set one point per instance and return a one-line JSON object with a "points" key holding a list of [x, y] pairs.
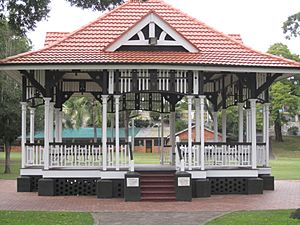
{"points": [[183, 186], [255, 186], [104, 189], [202, 188], [46, 187], [132, 187], [24, 184], [268, 182]]}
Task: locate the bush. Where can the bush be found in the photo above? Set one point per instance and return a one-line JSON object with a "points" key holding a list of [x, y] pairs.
{"points": [[293, 131]]}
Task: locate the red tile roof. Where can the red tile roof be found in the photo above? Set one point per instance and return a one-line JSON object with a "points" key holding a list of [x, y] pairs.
{"points": [[87, 44]]}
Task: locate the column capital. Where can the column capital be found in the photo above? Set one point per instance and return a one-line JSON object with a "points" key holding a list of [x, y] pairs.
{"points": [[52, 104], [23, 103], [190, 97], [241, 104], [202, 96], [268, 104], [31, 109], [252, 100], [47, 99], [117, 96]]}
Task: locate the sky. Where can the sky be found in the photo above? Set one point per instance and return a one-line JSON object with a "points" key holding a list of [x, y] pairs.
{"points": [[258, 21]]}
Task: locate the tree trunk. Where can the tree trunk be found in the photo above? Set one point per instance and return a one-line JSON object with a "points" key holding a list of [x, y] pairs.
{"points": [[278, 133], [7, 157]]}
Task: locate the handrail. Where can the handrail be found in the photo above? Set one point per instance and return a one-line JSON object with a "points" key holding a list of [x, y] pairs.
{"points": [[34, 144], [88, 143]]}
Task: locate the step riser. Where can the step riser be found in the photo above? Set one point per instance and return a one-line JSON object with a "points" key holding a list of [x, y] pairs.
{"points": [[158, 187]]}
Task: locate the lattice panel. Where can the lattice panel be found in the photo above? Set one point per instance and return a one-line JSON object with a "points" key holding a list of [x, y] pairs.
{"points": [[229, 185], [34, 183], [75, 186]]}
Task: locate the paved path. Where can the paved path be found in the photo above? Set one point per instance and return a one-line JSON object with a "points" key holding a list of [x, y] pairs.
{"points": [[116, 211]]}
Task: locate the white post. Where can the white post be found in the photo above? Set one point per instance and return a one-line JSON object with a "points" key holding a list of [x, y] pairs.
{"points": [[202, 138], [60, 126], [216, 132], [56, 132], [46, 133], [198, 128], [104, 130], [32, 116], [241, 121], [267, 113], [24, 108], [51, 121], [162, 138], [117, 101], [224, 125], [248, 125], [190, 104], [172, 137], [253, 130]]}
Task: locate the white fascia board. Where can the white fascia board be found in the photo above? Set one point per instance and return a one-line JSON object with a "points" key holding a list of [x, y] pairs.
{"points": [[94, 67], [232, 173], [31, 172]]}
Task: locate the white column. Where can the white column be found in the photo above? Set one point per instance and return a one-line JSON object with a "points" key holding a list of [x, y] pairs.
{"points": [[202, 138], [60, 126], [117, 120], [56, 131], [172, 137], [216, 132], [32, 116], [197, 115], [24, 108], [46, 133], [248, 125], [253, 130], [190, 104], [51, 121], [267, 130], [104, 131], [241, 121], [162, 138], [224, 125]]}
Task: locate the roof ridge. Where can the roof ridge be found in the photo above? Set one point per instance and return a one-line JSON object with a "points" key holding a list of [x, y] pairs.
{"points": [[67, 35]]}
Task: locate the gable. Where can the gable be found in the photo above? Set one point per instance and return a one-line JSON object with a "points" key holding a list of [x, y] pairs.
{"points": [[152, 33]]}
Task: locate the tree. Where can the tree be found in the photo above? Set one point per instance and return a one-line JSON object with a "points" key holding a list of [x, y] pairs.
{"points": [[280, 94], [291, 27], [22, 15], [10, 91]]}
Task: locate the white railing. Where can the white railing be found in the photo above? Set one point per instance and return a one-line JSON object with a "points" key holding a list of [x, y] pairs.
{"points": [[261, 155], [227, 155], [215, 155], [34, 154], [87, 156]]}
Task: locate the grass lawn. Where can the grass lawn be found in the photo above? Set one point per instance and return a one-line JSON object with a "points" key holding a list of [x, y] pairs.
{"points": [[15, 165], [45, 218], [146, 158], [270, 217], [286, 165]]}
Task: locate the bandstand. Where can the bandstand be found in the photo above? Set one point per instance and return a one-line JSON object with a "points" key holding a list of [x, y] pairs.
{"points": [[147, 56]]}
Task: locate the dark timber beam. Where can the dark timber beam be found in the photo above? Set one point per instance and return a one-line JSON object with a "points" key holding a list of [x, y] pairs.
{"points": [[33, 81], [268, 83]]}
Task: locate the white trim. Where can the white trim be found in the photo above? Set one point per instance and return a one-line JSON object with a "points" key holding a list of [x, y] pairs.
{"points": [[198, 174], [152, 19], [253, 132], [97, 67], [190, 104], [232, 173], [241, 121], [31, 172], [23, 124], [84, 174], [265, 170]]}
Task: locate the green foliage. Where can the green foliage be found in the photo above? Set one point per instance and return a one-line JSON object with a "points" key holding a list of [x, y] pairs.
{"points": [[10, 42], [180, 125], [274, 217], [45, 218], [79, 112], [282, 101], [23, 15], [283, 51], [291, 27], [293, 130]]}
